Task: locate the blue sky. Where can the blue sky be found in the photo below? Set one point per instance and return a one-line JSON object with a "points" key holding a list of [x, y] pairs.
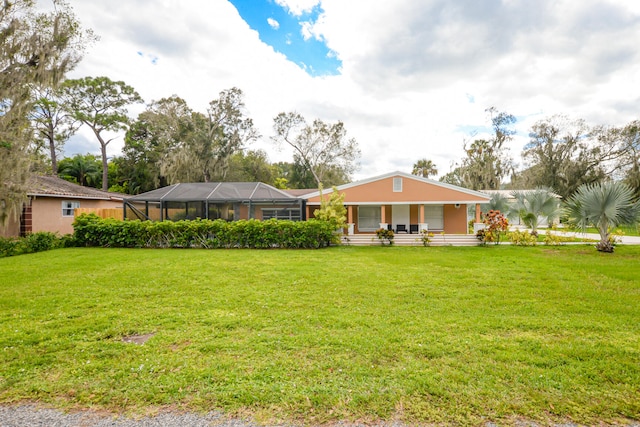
{"points": [[281, 29]]}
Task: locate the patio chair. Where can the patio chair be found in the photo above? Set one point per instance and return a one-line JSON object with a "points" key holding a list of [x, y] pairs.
{"points": [[401, 228], [414, 228]]}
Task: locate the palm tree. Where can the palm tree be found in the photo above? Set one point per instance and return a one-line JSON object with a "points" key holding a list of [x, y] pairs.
{"points": [[84, 170], [535, 206], [604, 206], [424, 168]]}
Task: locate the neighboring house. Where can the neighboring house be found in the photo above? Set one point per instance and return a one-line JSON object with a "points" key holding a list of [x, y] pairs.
{"points": [[230, 201], [51, 205], [404, 202], [397, 200]]}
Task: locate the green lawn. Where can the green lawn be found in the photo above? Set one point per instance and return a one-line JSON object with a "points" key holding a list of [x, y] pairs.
{"points": [[434, 335]]}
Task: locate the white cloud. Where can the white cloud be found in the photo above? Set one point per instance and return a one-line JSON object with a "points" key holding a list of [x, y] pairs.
{"points": [[408, 68], [298, 7], [273, 23]]}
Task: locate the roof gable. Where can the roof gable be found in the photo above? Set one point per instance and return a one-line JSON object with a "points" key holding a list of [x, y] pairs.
{"points": [[415, 189]]}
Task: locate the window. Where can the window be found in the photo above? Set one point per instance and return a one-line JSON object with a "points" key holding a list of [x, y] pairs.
{"points": [[397, 185], [68, 207], [292, 214], [369, 218], [434, 216]]}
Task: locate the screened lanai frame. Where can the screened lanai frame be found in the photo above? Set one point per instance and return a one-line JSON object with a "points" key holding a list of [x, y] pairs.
{"points": [[229, 201]]}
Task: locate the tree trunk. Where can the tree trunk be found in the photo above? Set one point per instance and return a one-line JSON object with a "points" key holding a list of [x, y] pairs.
{"points": [[52, 148]]}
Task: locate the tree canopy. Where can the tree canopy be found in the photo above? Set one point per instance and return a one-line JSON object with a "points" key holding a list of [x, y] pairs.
{"points": [[322, 149], [36, 49]]}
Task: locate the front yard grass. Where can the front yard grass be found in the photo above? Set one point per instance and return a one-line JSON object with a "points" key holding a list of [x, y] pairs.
{"points": [[420, 335]]}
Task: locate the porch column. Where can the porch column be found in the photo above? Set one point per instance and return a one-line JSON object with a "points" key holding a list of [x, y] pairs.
{"points": [[383, 217], [423, 225], [350, 223], [478, 213]]}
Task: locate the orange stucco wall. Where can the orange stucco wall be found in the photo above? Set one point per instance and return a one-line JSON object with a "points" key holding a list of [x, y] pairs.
{"points": [[412, 191], [47, 213], [455, 219]]}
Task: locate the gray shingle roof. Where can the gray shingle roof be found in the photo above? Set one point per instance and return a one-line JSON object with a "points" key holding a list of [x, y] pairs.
{"points": [[53, 186]]}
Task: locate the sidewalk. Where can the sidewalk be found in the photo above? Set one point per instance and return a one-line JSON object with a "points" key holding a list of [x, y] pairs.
{"points": [[624, 240]]}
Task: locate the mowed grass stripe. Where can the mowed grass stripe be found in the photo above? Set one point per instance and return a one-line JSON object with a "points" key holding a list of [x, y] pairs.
{"points": [[418, 334]]}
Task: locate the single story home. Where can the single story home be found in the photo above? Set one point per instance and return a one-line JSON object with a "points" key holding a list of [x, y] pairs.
{"points": [[397, 200], [51, 206], [404, 203]]}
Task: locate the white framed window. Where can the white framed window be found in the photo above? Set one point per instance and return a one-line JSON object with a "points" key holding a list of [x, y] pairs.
{"points": [[397, 185], [369, 218], [68, 207], [434, 216]]}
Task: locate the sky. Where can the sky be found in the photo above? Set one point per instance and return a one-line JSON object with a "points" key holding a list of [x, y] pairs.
{"points": [[410, 79]]}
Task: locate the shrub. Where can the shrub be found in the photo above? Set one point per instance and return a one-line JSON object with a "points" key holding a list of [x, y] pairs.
{"points": [[426, 237], [90, 230], [495, 225], [31, 243], [522, 238], [385, 236]]}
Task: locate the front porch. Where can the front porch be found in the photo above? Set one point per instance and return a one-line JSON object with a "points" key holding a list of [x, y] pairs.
{"points": [[438, 239]]}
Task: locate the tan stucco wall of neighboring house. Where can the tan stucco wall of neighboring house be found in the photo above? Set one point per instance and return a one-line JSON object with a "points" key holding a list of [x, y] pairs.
{"points": [[455, 219], [47, 213]]}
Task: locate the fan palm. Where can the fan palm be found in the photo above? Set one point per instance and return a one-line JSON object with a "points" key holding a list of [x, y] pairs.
{"points": [[424, 168], [603, 206], [535, 206]]}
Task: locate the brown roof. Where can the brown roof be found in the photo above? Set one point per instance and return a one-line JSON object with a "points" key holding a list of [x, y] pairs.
{"points": [[57, 187]]}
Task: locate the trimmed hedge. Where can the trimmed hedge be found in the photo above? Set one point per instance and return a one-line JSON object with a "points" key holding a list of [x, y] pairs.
{"points": [[90, 230], [35, 242]]}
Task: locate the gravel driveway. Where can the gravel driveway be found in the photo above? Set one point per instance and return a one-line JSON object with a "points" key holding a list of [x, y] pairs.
{"points": [[33, 416]]}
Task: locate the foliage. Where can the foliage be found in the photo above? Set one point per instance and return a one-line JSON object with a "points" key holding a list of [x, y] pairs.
{"points": [[100, 104], [320, 147], [31, 243], [53, 125], [522, 238], [81, 169], [333, 211], [629, 162], [553, 239], [426, 236], [385, 235], [424, 168], [496, 224], [604, 206], [535, 206], [251, 166], [487, 161], [563, 154], [546, 335], [90, 230], [36, 50]]}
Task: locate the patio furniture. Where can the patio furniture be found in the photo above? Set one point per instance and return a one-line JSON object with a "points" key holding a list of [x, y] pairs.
{"points": [[414, 228], [401, 228]]}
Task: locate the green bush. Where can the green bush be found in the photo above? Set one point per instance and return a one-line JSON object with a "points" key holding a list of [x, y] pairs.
{"points": [[90, 230], [522, 238], [31, 243]]}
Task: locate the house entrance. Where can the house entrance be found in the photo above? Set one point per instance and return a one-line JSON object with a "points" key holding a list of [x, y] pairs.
{"points": [[400, 215]]}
